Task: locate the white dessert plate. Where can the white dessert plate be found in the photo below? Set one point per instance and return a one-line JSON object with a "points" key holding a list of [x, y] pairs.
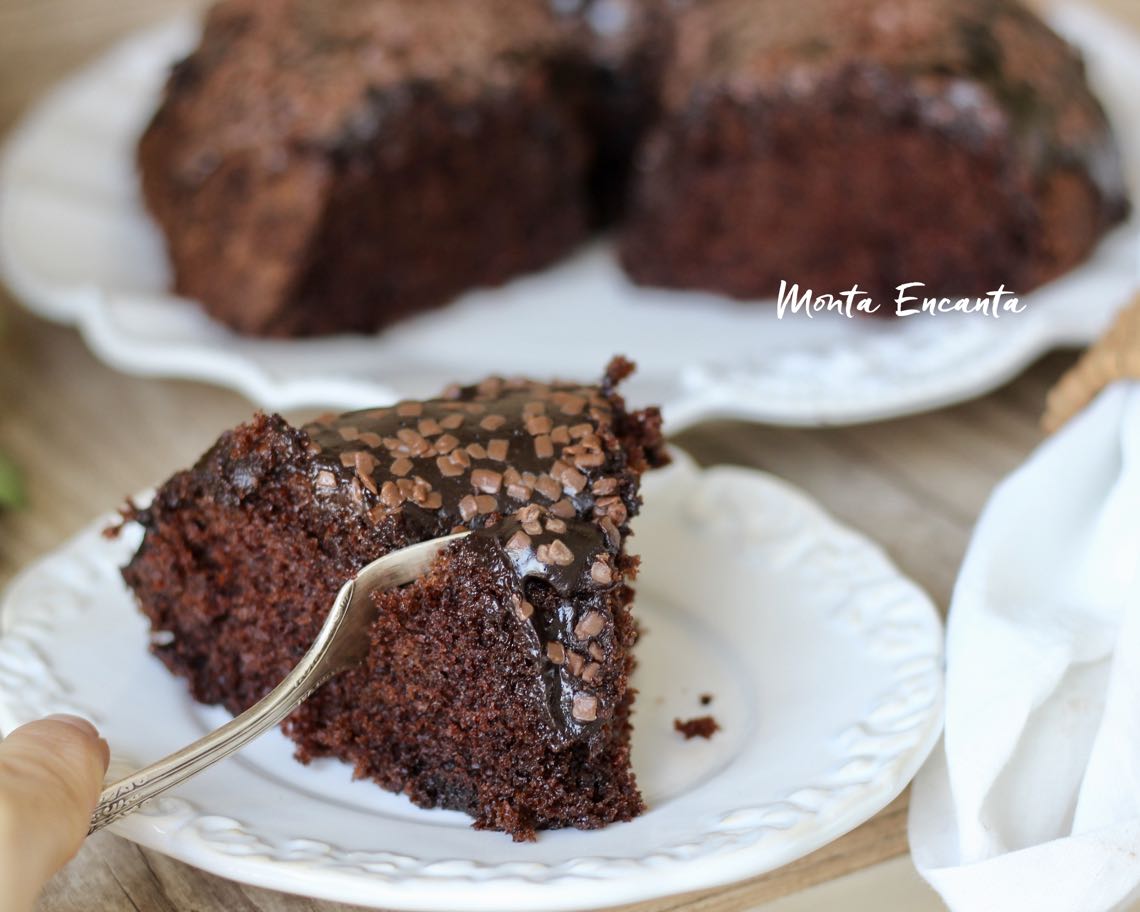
{"points": [[76, 246], [824, 662]]}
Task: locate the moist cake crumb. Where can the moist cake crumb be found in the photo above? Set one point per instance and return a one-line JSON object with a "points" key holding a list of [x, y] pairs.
{"points": [[698, 727]]}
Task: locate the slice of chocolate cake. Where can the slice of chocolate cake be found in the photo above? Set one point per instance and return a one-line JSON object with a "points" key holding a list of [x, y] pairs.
{"points": [[498, 683], [834, 142]]}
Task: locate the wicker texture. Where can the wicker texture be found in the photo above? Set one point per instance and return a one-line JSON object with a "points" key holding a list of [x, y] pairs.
{"points": [[1114, 356]]}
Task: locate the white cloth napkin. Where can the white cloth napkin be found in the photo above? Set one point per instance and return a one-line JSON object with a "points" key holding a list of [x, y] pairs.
{"points": [[1033, 799]]}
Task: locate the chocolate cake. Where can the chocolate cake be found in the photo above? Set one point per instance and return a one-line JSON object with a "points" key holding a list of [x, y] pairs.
{"points": [[878, 142], [498, 683], [326, 167], [322, 168]]}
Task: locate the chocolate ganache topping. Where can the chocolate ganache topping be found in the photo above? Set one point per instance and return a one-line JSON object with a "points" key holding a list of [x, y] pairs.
{"points": [[558, 572], [538, 472]]}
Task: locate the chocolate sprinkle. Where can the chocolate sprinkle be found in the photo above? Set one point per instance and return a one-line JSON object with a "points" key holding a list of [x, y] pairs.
{"points": [[520, 541], [560, 554], [487, 480], [498, 449], [600, 573], [591, 625], [543, 447], [585, 707]]}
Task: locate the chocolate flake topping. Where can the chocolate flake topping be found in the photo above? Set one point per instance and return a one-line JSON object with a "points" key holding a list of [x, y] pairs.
{"points": [[547, 498], [470, 450]]}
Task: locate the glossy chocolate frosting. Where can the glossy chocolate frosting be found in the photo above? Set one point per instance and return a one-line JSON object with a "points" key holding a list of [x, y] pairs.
{"points": [[539, 472]]}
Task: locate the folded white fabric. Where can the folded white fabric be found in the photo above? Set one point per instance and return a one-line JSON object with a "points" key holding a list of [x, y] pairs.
{"points": [[1033, 799]]}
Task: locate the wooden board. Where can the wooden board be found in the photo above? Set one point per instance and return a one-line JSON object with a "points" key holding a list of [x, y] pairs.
{"points": [[87, 436]]}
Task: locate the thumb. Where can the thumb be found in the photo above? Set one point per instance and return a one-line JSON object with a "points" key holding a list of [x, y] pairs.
{"points": [[51, 773]]}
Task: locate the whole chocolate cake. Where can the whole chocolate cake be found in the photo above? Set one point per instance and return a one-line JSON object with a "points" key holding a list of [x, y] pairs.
{"points": [[878, 142], [328, 167], [495, 685]]}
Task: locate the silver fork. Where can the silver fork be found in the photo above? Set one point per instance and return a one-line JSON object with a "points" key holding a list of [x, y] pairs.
{"points": [[342, 643]]}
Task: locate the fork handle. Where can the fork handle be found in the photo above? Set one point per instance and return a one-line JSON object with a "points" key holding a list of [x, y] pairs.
{"points": [[318, 665]]}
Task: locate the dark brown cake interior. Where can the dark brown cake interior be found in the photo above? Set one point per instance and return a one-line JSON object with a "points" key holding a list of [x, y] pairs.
{"points": [[498, 684]]}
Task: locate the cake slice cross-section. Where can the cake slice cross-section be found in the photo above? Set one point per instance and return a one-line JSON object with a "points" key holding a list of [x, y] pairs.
{"points": [[497, 684]]}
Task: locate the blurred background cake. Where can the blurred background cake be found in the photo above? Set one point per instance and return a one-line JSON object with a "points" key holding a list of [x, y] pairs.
{"points": [[878, 142], [319, 168]]}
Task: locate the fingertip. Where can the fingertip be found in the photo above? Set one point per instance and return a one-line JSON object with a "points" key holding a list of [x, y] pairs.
{"points": [[66, 745], [51, 772], [75, 722]]}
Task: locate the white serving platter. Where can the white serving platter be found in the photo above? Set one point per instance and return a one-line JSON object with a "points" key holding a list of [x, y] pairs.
{"points": [[76, 246]]}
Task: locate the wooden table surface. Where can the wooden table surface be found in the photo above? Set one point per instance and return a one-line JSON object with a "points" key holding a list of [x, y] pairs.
{"points": [[915, 485]]}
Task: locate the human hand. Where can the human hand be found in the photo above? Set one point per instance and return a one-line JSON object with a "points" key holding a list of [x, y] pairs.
{"points": [[51, 773]]}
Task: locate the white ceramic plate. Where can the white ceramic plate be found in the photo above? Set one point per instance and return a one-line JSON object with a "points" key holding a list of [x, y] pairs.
{"points": [[76, 246], [825, 663]]}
